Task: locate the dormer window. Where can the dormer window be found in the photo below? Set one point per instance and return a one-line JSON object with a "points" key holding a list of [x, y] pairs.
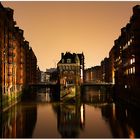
{"points": [[62, 60], [68, 60]]}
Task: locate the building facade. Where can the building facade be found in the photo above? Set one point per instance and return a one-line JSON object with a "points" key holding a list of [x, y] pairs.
{"points": [[70, 69], [93, 75], [105, 70], [14, 52], [125, 60], [70, 75], [127, 50], [111, 66]]}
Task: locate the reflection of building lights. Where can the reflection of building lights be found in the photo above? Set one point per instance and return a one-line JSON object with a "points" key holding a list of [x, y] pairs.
{"points": [[125, 86], [126, 112], [133, 69], [82, 114], [113, 110], [131, 132], [99, 97]]}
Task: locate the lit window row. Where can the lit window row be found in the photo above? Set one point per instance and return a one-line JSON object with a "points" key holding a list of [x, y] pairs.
{"points": [[130, 71], [67, 67], [125, 47], [70, 72], [127, 44]]}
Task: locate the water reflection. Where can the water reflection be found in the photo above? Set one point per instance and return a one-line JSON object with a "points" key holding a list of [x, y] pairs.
{"points": [[19, 121], [96, 96], [70, 119], [43, 95], [94, 115], [123, 120]]}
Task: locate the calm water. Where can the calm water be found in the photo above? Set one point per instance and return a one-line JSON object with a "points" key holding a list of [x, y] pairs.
{"points": [[93, 116]]}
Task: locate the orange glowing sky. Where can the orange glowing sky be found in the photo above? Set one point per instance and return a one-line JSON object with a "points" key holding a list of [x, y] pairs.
{"points": [[55, 27]]}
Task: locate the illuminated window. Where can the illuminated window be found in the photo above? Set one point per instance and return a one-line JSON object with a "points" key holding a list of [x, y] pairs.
{"points": [[131, 61], [62, 60], [134, 70], [71, 72], [131, 70], [131, 40], [128, 43], [68, 60], [65, 72], [126, 72], [125, 86]]}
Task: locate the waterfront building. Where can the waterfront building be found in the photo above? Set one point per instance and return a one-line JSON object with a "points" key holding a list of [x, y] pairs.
{"points": [[127, 58], [38, 74], [2, 63], [105, 70], [51, 75], [70, 74], [32, 66], [14, 61], [82, 66], [69, 68], [88, 75], [43, 76], [47, 76], [125, 54], [93, 75], [111, 66]]}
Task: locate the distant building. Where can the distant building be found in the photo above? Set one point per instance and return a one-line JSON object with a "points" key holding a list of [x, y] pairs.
{"points": [[88, 75], [43, 76], [51, 75], [47, 76], [71, 68], [105, 70], [38, 74], [93, 75]]}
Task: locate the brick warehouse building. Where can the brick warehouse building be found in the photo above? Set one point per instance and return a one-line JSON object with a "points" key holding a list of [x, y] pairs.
{"points": [[71, 66], [93, 75], [15, 64], [70, 73], [126, 52]]}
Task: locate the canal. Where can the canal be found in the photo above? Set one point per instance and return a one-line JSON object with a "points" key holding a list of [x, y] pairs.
{"points": [[95, 115]]}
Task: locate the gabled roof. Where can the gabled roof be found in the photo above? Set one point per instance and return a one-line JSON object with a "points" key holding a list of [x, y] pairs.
{"points": [[73, 57]]}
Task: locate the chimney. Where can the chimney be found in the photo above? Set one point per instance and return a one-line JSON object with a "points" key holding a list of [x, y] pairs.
{"points": [[62, 55]]}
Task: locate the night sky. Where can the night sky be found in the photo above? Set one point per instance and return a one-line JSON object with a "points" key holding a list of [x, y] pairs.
{"points": [[55, 27]]}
